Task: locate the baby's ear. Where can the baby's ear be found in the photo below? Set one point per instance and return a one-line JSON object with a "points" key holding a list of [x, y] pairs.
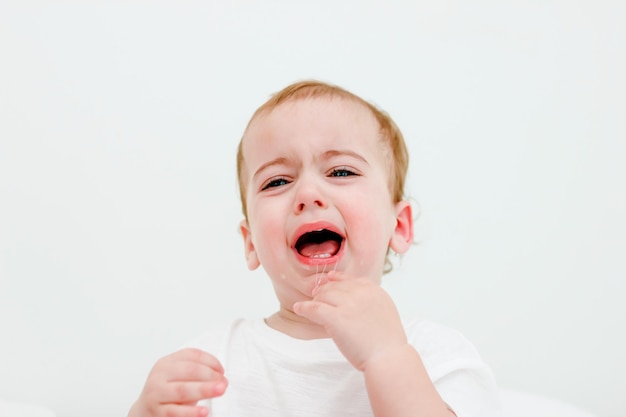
{"points": [[251, 257], [402, 237]]}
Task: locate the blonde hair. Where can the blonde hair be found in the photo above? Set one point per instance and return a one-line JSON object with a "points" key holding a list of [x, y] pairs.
{"points": [[314, 89]]}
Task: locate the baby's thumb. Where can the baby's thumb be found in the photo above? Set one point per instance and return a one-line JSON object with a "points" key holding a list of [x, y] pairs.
{"points": [[314, 311]]}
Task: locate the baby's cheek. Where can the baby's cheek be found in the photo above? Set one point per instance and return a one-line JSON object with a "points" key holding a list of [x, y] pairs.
{"points": [[374, 237]]}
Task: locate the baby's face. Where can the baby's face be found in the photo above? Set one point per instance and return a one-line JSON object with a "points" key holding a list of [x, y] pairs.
{"points": [[317, 193]]}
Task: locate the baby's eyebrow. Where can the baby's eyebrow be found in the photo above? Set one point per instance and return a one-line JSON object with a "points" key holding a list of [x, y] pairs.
{"points": [[281, 160], [345, 152]]}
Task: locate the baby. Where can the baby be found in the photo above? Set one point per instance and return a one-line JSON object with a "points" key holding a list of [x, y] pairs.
{"points": [[321, 176]]}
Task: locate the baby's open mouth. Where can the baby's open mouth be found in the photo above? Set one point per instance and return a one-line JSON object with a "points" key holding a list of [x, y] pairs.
{"points": [[322, 243]]}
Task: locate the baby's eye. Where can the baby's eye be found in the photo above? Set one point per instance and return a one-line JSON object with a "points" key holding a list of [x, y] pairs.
{"points": [[342, 172], [276, 182]]}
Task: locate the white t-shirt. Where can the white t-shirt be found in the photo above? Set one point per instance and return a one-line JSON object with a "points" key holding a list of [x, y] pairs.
{"points": [[272, 374]]}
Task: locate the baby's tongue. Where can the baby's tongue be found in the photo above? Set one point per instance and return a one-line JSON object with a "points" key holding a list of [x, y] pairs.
{"points": [[319, 250]]}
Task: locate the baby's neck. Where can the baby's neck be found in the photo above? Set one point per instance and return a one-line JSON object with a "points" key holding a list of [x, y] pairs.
{"points": [[291, 324]]}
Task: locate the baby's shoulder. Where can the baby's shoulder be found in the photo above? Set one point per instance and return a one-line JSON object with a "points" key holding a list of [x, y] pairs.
{"points": [[427, 331], [214, 336], [442, 347]]}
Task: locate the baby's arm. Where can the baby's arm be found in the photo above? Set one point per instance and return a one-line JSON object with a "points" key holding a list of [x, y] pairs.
{"points": [[397, 382], [364, 323], [177, 382]]}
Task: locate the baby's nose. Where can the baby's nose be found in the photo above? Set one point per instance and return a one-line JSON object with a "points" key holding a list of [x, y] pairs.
{"points": [[309, 196]]}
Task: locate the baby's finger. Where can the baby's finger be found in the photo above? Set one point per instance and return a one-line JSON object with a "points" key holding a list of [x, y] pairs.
{"points": [[318, 312], [324, 279], [333, 293], [199, 356], [336, 275], [192, 371], [176, 410], [192, 392]]}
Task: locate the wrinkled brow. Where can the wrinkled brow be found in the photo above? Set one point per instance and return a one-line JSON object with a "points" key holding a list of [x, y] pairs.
{"points": [[277, 161]]}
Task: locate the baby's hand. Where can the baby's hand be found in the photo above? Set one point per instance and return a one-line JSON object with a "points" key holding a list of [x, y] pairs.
{"points": [[358, 314], [177, 382]]}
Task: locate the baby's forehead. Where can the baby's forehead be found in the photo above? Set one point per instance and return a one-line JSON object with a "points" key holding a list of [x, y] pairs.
{"points": [[320, 108], [312, 129]]}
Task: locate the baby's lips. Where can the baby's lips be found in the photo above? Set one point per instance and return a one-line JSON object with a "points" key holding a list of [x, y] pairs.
{"points": [[311, 227]]}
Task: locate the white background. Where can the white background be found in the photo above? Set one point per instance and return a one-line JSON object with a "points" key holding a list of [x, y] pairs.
{"points": [[119, 123]]}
